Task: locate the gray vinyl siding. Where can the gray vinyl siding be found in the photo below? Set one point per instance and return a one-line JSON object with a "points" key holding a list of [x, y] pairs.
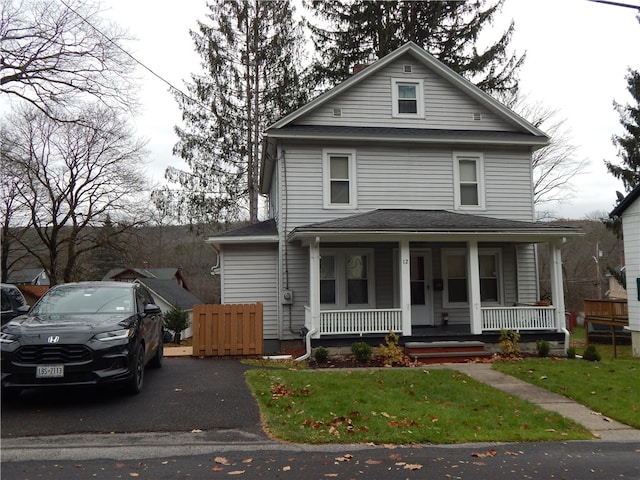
{"points": [[250, 275], [444, 105], [404, 177], [295, 277], [528, 291]]}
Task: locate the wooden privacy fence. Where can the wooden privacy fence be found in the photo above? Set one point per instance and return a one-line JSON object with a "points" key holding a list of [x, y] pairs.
{"points": [[227, 330]]}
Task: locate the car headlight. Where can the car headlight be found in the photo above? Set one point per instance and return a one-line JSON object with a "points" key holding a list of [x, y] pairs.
{"points": [[114, 335], [7, 338]]}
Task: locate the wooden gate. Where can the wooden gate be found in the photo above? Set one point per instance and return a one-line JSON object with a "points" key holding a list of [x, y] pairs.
{"points": [[227, 330]]}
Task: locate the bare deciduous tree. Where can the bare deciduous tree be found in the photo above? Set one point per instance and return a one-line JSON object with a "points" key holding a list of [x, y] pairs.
{"points": [[557, 164], [55, 52], [72, 178]]}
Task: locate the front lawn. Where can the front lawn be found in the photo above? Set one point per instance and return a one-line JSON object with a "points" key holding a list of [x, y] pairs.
{"points": [[398, 406], [609, 387]]}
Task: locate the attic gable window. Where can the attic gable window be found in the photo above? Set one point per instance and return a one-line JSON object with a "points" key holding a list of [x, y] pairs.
{"points": [[339, 173], [408, 98]]}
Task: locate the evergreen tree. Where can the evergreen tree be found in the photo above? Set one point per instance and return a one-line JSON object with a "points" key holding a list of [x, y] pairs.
{"points": [[628, 144], [360, 32], [250, 78]]}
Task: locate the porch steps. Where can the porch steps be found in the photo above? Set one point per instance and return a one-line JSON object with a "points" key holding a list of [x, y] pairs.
{"points": [[445, 352]]}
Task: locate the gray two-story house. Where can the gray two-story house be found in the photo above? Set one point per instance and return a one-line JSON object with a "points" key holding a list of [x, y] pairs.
{"points": [[402, 200]]}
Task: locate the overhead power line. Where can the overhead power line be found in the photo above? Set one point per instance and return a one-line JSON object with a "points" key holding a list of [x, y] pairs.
{"points": [[148, 69]]}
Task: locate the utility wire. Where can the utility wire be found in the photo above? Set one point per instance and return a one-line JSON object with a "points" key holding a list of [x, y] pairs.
{"points": [[148, 69]]}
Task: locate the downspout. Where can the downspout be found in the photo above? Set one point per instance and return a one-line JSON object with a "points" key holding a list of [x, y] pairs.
{"points": [[308, 344], [567, 336]]}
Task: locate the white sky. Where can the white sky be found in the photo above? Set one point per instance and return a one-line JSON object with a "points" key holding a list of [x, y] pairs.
{"points": [[578, 53]]}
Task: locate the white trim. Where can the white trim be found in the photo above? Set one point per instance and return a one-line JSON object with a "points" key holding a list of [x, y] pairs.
{"points": [[478, 158], [419, 84], [327, 154]]}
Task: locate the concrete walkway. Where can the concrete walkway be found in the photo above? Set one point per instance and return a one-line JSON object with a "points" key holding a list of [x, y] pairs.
{"points": [[602, 427]]}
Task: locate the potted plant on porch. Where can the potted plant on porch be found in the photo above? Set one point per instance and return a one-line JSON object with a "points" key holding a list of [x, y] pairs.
{"points": [[176, 320]]}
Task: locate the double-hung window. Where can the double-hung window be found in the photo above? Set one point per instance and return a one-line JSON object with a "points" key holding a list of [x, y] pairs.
{"points": [[346, 278], [408, 97], [468, 174], [339, 178], [489, 279], [454, 266]]}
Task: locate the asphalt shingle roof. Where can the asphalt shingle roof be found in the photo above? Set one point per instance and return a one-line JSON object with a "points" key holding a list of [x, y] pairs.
{"points": [[260, 229], [170, 291], [427, 221]]}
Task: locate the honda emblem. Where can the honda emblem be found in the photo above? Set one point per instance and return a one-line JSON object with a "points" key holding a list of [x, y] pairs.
{"points": [[53, 339]]}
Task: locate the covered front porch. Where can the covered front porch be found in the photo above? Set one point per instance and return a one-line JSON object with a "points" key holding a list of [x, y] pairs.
{"points": [[475, 279]]}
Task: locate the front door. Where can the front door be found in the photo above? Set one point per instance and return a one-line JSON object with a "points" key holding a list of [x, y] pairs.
{"points": [[421, 292]]}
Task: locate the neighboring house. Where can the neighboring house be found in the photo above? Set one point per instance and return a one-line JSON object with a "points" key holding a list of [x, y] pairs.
{"points": [[28, 276], [401, 200], [167, 294], [131, 274], [615, 290], [629, 210]]}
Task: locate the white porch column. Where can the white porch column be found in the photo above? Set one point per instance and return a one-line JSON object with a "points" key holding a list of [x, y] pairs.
{"points": [[405, 286], [475, 311], [314, 286], [557, 291]]}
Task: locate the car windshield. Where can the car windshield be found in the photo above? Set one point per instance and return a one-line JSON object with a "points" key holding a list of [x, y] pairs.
{"points": [[84, 299]]}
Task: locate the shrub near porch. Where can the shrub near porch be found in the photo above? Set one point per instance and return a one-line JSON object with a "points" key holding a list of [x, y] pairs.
{"points": [[398, 406]]}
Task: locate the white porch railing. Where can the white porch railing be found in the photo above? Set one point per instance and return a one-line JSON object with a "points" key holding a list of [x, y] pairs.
{"points": [[340, 322], [518, 318], [494, 319]]}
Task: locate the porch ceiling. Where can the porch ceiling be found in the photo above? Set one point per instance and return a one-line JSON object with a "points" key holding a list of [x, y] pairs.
{"points": [[430, 225]]}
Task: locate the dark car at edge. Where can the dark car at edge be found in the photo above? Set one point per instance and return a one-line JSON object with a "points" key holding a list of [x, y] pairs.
{"points": [[86, 333]]}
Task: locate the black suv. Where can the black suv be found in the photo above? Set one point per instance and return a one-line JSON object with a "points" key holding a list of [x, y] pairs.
{"points": [[87, 333], [13, 303]]}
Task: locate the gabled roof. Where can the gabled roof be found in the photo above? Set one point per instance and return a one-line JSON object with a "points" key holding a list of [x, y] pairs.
{"points": [[163, 273], [171, 292], [28, 276], [283, 128], [432, 224], [626, 202], [431, 62], [261, 232]]}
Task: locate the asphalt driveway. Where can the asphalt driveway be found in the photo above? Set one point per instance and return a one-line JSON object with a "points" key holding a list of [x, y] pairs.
{"points": [[185, 394]]}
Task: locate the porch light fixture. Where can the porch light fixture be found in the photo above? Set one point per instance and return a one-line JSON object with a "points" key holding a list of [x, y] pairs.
{"points": [[445, 319]]}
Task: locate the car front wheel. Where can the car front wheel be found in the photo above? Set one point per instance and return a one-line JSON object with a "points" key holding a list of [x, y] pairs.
{"points": [[137, 378], [156, 361]]}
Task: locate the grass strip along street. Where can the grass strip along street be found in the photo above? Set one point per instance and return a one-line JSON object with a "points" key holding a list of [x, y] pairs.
{"points": [[609, 386], [394, 406]]}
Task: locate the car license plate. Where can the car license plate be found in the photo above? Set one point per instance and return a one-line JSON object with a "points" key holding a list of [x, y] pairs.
{"points": [[49, 371]]}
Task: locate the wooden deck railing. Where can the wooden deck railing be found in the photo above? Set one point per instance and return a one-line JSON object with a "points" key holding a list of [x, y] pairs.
{"points": [[614, 313], [613, 310]]}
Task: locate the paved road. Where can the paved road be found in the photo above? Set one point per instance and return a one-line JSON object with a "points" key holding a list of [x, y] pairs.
{"points": [[185, 394], [270, 460]]}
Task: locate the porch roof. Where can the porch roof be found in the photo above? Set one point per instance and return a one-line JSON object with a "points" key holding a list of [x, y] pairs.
{"points": [[261, 232], [431, 225]]}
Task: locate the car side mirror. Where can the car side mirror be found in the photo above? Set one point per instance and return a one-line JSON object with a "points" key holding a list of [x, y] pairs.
{"points": [[151, 309]]}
